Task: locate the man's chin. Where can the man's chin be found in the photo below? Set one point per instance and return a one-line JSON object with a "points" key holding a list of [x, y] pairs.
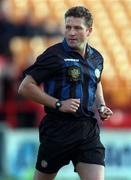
{"points": [[73, 46]]}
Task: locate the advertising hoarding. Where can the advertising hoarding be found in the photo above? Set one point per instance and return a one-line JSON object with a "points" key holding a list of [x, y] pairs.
{"points": [[22, 146]]}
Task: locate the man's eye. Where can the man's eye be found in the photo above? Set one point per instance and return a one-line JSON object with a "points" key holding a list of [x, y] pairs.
{"points": [[68, 27], [78, 28]]}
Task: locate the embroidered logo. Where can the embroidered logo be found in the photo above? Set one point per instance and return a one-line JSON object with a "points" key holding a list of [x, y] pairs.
{"points": [[44, 163], [97, 73], [74, 73]]}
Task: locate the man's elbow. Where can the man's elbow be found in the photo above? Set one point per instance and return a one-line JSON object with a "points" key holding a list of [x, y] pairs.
{"points": [[22, 90], [25, 87]]}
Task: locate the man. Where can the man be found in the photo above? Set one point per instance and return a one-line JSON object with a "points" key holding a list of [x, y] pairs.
{"points": [[71, 73]]}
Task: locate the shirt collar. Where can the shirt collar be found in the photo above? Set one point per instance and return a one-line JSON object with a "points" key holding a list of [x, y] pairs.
{"points": [[69, 49], [66, 47]]}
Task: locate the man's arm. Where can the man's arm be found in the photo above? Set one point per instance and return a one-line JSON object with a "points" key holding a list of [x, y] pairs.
{"points": [[29, 89], [99, 95], [103, 110]]}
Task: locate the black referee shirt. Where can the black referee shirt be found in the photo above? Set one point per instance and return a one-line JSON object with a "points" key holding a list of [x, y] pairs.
{"points": [[66, 74]]}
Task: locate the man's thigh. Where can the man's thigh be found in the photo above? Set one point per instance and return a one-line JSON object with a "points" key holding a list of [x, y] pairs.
{"points": [[90, 171], [43, 176]]}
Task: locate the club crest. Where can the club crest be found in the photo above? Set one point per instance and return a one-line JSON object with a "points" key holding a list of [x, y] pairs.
{"points": [[74, 73]]}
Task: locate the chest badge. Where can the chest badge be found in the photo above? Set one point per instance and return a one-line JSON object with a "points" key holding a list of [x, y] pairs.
{"points": [[74, 73], [97, 73]]}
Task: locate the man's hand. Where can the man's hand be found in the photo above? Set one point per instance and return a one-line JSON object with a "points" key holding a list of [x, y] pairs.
{"points": [[70, 105], [105, 112]]}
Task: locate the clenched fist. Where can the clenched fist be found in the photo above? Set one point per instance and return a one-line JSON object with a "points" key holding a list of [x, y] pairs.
{"points": [[70, 105], [105, 112]]}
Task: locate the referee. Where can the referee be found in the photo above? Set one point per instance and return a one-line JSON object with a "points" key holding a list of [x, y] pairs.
{"points": [[71, 74]]}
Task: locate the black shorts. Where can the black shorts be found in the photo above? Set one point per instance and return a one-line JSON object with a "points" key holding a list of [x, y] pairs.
{"points": [[64, 140]]}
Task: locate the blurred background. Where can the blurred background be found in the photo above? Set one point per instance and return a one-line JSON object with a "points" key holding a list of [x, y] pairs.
{"points": [[27, 28]]}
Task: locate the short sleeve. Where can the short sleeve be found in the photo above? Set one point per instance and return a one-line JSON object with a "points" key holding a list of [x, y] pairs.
{"points": [[100, 67], [46, 64]]}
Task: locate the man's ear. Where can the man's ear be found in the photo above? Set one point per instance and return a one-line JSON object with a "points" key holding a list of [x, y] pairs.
{"points": [[89, 30]]}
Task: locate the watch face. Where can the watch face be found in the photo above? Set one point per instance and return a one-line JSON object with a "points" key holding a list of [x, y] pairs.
{"points": [[58, 104]]}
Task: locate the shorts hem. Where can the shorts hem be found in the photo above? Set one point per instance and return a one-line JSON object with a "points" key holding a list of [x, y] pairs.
{"points": [[47, 171], [91, 162]]}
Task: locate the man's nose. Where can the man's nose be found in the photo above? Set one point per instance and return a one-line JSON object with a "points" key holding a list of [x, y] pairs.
{"points": [[72, 31]]}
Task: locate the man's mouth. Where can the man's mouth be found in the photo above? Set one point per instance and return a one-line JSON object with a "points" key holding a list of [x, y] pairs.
{"points": [[72, 40]]}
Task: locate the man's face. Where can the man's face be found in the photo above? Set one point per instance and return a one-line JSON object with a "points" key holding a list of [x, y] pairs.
{"points": [[76, 32]]}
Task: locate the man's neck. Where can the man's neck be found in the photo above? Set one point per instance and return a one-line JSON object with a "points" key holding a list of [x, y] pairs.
{"points": [[82, 51]]}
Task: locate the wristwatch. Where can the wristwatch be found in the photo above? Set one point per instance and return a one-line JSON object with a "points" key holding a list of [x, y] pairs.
{"points": [[101, 107], [58, 104]]}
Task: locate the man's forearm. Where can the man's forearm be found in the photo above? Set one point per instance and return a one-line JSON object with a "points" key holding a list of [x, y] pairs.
{"points": [[29, 89], [99, 95]]}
